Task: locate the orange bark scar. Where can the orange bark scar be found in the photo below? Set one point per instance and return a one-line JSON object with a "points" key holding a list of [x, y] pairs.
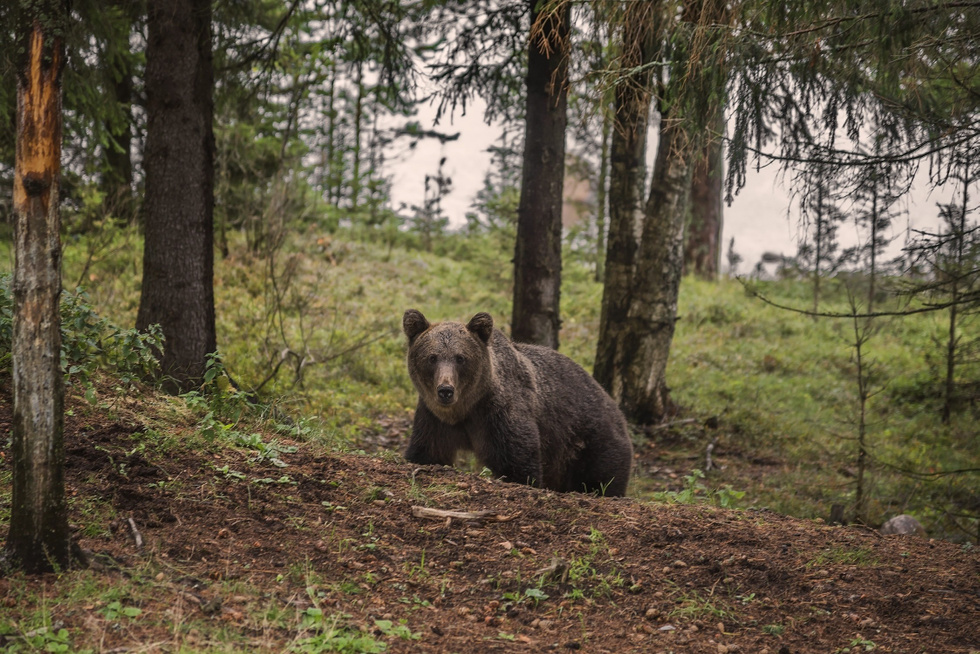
{"points": [[39, 138]]}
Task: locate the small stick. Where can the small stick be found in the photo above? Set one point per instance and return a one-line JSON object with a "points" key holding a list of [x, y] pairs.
{"points": [[470, 516], [708, 464], [136, 533]]}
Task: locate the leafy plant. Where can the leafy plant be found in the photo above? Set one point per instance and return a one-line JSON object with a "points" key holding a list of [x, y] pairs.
{"points": [[696, 492], [89, 342], [115, 609], [532, 596], [330, 636], [265, 451], [44, 639], [400, 630]]}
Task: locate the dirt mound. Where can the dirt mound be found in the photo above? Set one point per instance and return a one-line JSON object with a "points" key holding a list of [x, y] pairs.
{"points": [[242, 553]]}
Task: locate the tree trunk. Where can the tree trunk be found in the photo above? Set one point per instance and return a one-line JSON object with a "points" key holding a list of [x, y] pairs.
{"points": [[355, 182], [819, 244], [702, 247], [649, 329], [874, 248], [861, 329], [601, 195], [38, 540], [117, 175], [117, 178], [958, 232], [332, 186], [626, 165], [537, 255], [178, 258], [640, 298]]}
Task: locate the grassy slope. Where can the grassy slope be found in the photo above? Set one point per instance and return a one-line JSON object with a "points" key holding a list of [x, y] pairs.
{"points": [[780, 384]]}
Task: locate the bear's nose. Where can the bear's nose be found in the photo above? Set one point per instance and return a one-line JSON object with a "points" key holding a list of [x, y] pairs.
{"points": [[446, 393]]}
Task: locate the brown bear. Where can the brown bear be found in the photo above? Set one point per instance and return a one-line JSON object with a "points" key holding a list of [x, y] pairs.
{"points": [[530, 414]]}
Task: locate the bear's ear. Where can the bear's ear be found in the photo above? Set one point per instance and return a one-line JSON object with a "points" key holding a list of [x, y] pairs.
{"points": [[482, 325], [414, 323]]}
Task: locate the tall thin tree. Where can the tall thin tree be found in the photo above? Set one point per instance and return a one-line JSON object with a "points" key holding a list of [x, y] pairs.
{"points": [[178, 259], [119, 70], [702, 245], [632, 99], [38, 540], [645, 258], [537, 255]]}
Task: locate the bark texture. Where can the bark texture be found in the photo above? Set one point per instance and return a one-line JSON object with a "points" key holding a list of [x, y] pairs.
{"points": [[117, 177], [117, 173], [702, 247], [537, 254], [38, 540], [644, 265], [178, 260], [653, 310], [601, 198], [626, 169]]}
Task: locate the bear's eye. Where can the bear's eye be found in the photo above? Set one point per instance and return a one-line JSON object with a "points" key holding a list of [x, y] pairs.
{"points": [[433, 358], [460, 359]]}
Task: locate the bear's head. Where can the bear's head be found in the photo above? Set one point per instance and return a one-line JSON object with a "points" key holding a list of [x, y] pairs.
{"points": [[449, 363]]}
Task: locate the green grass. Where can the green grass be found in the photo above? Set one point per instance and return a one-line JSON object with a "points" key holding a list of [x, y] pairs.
{"points": [[860, 557]]}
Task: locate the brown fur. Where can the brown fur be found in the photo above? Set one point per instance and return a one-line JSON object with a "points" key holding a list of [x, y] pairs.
{"points": [[530, 414]]}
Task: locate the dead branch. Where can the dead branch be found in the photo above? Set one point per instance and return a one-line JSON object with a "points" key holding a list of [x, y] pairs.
{"points": [[708, 463], [465, 516], [968, 298], [137, 536], [283, 355], [302, 362]]}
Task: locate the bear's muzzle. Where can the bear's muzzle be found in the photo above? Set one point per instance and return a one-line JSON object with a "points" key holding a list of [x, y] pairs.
{"points": [[447, 394]]}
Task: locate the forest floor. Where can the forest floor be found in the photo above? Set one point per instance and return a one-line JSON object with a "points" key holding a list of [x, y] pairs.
{"points": [[264, 549]]}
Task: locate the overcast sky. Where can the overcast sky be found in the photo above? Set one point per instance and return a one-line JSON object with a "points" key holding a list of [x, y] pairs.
{"points": [[757, 218]]}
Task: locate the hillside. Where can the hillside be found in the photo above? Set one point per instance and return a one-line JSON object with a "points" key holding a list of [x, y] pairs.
{"points": [[773, 392], [248, 545]]}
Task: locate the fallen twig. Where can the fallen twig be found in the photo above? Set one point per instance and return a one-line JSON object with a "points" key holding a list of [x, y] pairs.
{"points": [[137, 536], [708, 463], [466, 516]]}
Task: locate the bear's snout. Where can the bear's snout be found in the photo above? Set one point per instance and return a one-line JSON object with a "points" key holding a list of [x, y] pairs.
{"points": [[446, 394]]}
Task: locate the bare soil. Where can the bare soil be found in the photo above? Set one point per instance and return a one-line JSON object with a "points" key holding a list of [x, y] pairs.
{"points": [[338, 532]]}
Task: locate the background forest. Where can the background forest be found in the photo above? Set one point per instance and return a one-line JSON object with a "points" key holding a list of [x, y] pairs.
{"points": [[843, 375]]}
